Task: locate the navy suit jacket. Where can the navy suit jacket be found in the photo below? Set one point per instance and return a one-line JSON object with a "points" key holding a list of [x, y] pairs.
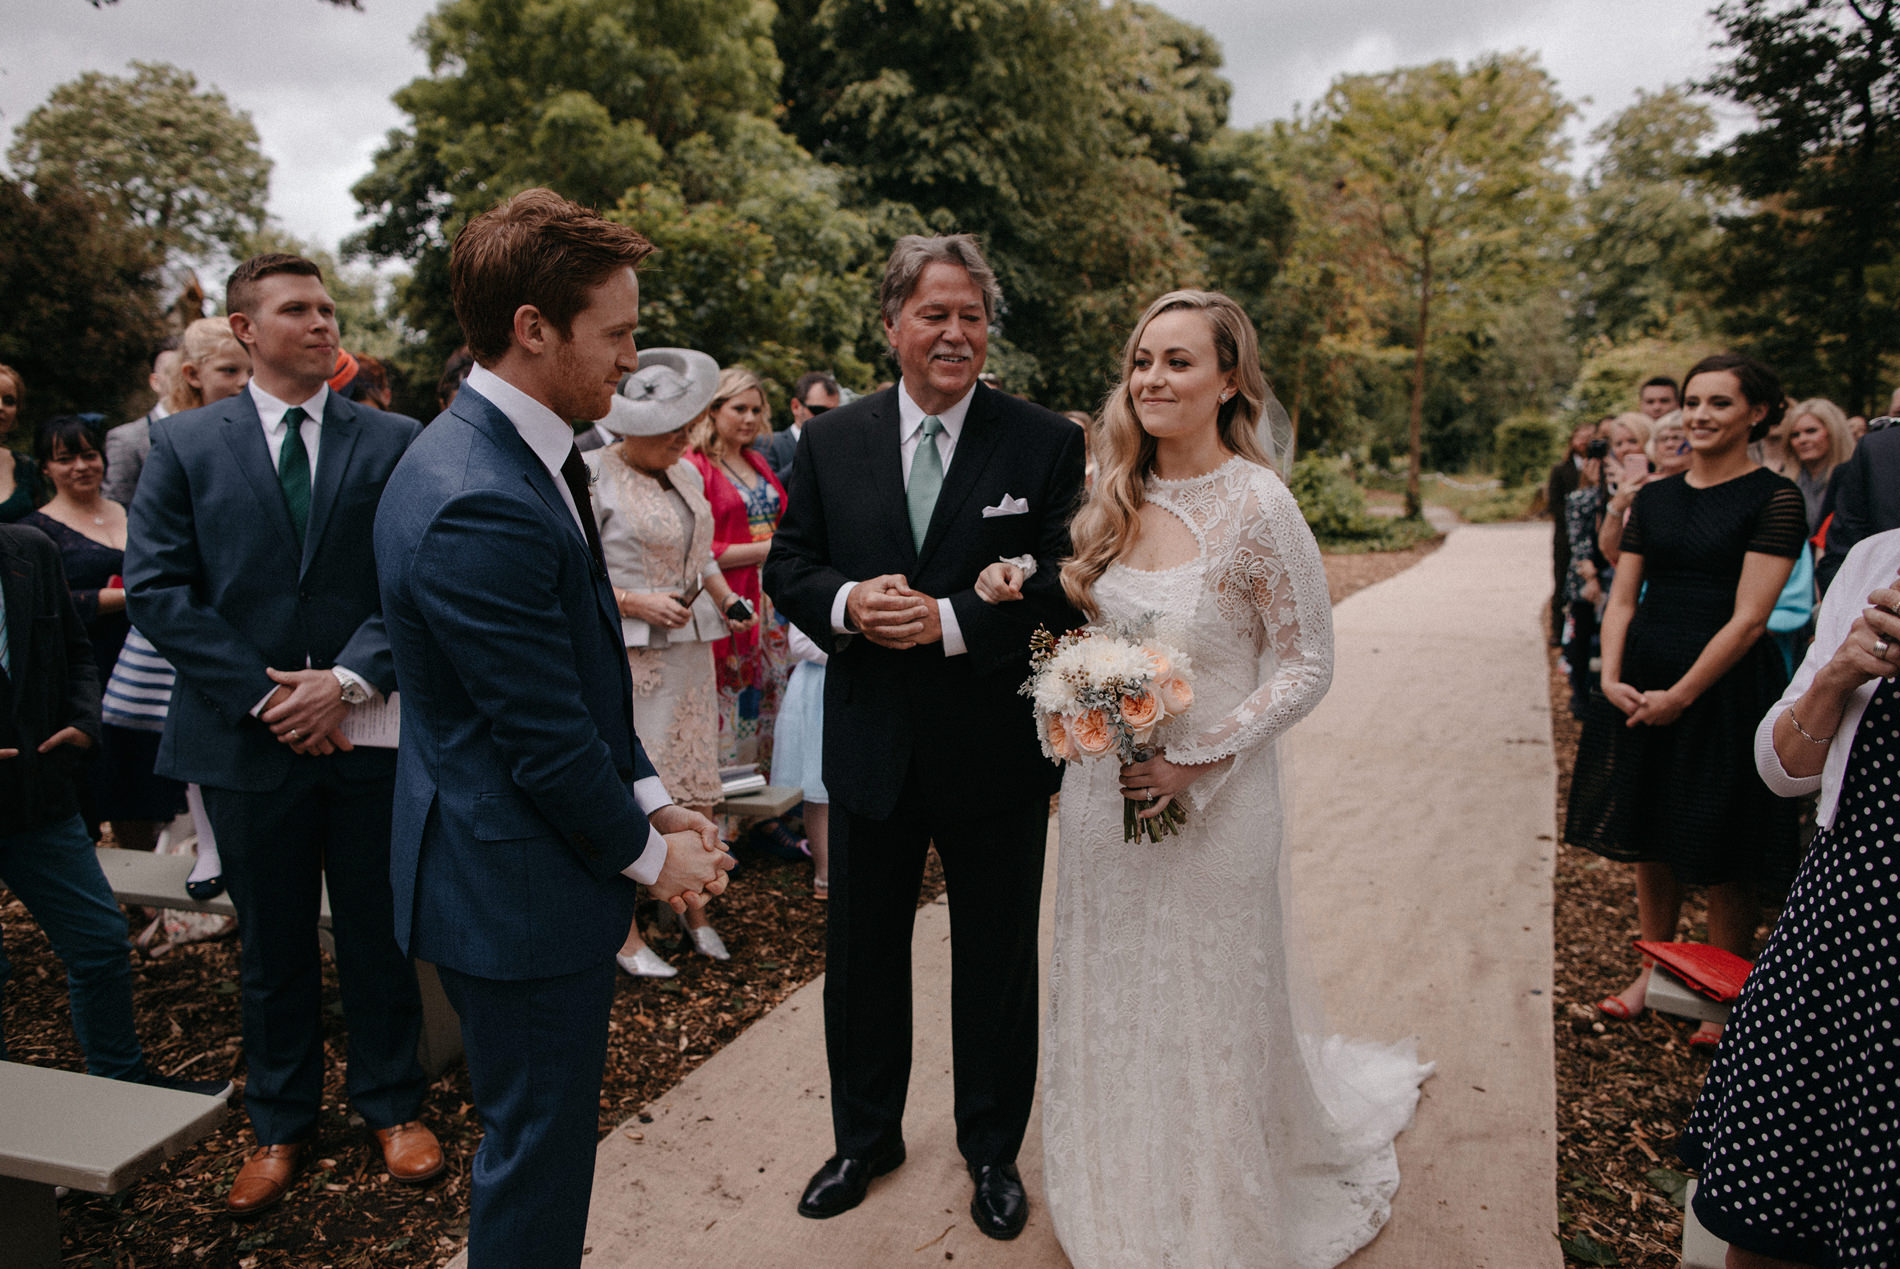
{"points": [[960, 718], [215, 580], [514, 811]]}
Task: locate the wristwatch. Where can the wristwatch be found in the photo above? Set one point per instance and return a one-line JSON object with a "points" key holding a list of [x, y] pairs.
{"points": [[353, 693]]}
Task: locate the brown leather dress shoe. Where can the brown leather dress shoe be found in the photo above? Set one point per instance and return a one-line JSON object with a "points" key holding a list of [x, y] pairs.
{"points": [[263, 1179], [410, 1152]]}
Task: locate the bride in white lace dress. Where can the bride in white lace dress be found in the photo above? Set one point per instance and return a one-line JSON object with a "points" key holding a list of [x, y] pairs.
{"points": [[1194, 1114]]}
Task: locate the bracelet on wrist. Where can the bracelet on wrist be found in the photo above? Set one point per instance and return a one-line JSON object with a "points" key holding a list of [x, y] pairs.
{"points": [[1807, 735]]}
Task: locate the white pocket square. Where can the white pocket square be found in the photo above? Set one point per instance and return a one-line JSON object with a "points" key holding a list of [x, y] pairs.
{"points": [[1008, 507]]}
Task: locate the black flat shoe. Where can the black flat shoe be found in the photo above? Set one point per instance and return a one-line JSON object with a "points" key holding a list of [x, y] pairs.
{"points": [[207, 890], [840, 1185], [999, 1207]]}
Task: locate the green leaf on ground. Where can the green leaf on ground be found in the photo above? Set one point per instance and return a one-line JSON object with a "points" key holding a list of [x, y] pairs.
{"points": [[1587, 1250], [1673, 1184]]}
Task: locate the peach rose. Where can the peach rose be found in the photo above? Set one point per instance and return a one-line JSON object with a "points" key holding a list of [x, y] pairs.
{"points": [[1176, 694], [1141, 711], [1056, 732], [1091, 733], [1163, 667]]}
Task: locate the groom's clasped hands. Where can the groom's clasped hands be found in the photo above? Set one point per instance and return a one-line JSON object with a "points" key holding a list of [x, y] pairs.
{"points": [[696, 861], [889, 613]]}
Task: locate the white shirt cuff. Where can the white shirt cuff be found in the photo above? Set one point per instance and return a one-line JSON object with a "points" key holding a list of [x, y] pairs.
{"points": [[838, 609], [646, 869], [953, 645], [257, 710], [344, 672]]}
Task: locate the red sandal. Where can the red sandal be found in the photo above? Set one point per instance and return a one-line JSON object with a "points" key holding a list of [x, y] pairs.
{"points": [[1613, 1007]]}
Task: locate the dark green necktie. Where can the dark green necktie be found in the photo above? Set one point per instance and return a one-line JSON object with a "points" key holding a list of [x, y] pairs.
{"points": [[293, 471], [926, 481]]}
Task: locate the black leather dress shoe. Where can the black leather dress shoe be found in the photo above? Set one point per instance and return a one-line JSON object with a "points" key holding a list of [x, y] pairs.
{"points": [[999, 1208], [839, 1186]]}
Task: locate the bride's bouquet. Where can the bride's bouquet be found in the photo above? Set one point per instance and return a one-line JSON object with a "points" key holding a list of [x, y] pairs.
{"points": [[1105, 689]]}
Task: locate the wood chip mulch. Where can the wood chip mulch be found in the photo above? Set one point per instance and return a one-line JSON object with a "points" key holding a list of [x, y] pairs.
{"points": [[341, 1211]]}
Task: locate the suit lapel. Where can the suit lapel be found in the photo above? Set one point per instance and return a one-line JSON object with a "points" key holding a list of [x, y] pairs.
{"points": [[16, 585], [978, 440], [487, 417], [884, 460], [340, 428], [244, 434]]}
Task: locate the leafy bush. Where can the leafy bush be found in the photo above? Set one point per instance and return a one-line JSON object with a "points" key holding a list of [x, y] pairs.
{"points": [[1503, 504], [1523, 448], [1333, 505]]}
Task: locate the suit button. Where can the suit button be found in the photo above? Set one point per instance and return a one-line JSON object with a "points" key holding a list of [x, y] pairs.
{"points": [[304, 595]]}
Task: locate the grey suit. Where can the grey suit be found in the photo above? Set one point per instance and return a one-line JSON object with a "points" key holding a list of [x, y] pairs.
{"points": [[127, 447]]}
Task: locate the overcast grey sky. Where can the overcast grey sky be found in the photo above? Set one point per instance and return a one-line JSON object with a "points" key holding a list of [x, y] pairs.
{"points": [[317, 79]]}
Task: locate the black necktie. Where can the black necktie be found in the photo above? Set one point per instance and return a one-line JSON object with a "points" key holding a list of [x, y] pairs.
{"points": [[574, 472]]}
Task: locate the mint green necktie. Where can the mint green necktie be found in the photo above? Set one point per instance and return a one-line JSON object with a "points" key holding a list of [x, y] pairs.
{"points": [[293, 471], [926, 480]]}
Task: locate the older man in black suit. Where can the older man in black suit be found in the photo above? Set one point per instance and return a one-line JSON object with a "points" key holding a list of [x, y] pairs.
{"points": [[897, 502]]}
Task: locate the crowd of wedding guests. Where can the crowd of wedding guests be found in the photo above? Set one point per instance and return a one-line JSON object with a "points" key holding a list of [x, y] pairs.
{"points": [[1728, 612]]}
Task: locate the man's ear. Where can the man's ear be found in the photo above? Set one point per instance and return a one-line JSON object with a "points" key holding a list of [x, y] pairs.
{"points": [[241, 326], [531, 329]]}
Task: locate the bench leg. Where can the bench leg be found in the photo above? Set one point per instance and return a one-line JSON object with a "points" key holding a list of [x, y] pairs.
{"points": [[29, 1224], [441, 1043]]}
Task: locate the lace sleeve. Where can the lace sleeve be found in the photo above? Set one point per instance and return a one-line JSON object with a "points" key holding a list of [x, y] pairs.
{"points": [[1269, 577]]}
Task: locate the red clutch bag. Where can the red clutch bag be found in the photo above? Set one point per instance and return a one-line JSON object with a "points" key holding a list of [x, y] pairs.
{"points": [[1707, 971]]}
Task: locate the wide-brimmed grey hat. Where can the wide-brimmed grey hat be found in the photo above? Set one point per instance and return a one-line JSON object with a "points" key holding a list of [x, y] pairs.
{"points": [[668, 391]]}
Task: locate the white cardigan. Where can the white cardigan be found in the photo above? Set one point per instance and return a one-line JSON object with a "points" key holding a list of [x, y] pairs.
{"points": [[1870, 565]]}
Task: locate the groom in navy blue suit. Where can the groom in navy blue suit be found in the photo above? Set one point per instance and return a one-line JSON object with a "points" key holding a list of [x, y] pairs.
{"points": [[248, 565], [526, 808]]}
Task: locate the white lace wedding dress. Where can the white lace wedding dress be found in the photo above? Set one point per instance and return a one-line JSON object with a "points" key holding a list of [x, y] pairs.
{"points": [[1195, 1116]]}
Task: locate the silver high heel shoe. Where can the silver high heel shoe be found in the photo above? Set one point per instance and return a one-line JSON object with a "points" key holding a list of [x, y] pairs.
{"points": [[645, 963], [706, 942]]}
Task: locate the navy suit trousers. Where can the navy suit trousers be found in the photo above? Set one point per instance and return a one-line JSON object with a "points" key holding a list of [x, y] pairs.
{"points": [[536, 1051], [277, 849]]}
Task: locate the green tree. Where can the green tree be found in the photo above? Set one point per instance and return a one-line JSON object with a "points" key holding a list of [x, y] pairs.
{"points": [[1453, 176], [82, 313], [657, 108], [1046, 127], [1649, 206], [1807, 277], [180, 164]]}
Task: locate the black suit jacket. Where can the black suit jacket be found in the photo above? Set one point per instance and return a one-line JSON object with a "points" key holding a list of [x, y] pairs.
{"points": [[215, 579], [52, 683], [959, 719], [1865, 493]]}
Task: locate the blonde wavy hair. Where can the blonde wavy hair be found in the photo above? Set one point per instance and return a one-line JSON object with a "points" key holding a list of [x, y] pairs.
{"points": [[1109, 522], [733, 380], [202, 340]]}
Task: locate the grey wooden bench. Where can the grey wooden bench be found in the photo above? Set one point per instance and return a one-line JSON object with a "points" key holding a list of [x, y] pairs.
{"points": [[767, 803], [85, 1133], [158, 881]]}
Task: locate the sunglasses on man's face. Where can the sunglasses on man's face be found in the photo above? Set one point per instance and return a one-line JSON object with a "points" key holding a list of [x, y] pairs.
{"points": [[814, 410]]}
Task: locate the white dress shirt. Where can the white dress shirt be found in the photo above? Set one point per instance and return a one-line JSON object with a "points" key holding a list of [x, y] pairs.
{"points": [[1870, 565], [551, 439], [270, 412], [910, 425]]}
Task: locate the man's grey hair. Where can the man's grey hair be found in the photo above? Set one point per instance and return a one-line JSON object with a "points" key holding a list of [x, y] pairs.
{"points": [[914, 253]]}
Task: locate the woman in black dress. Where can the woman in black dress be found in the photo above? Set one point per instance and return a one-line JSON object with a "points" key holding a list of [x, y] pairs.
{"points": [[89, 530], [1664, 777], [1795, 1133]]}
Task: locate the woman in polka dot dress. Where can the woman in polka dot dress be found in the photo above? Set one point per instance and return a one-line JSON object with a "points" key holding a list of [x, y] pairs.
{"points": [[1797, 1131]]}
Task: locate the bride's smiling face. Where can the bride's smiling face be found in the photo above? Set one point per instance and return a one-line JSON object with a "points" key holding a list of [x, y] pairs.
{"points": [[1177, 383]]}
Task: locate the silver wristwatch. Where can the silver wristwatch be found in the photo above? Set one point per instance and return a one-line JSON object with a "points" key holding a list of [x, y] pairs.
{"points": [[353, 693]]}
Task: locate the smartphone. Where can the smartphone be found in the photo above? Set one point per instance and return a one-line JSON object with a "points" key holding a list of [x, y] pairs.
{"points": [[1635, 467]]}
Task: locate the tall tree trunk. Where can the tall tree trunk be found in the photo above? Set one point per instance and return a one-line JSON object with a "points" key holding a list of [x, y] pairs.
{"points": [[1415, 422]]}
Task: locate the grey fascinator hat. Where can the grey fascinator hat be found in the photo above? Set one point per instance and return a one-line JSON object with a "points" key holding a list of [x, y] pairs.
{"points": [[669, 390]]}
